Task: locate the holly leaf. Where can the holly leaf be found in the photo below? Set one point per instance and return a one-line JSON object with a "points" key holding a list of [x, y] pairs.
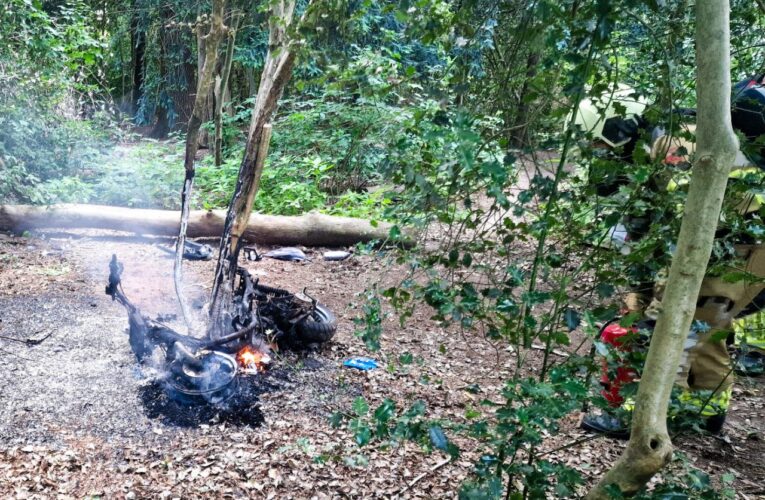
{"points": [[438, 438], [360, 406], [572, 318]]}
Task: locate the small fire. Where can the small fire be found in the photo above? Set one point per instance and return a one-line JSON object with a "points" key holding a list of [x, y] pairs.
{"points": [[252, 360]]}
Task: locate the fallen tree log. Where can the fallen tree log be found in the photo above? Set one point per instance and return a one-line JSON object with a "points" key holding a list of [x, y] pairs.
{"points": [[310, 229]]}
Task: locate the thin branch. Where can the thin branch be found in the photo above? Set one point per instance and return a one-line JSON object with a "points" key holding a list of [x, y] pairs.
{"points": [[426, 473]]}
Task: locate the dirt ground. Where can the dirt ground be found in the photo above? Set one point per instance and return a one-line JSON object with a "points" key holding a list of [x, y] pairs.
{"points": [[78, 418]]}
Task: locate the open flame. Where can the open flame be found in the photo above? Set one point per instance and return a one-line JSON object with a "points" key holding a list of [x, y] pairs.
{"points": [[252, 360]]}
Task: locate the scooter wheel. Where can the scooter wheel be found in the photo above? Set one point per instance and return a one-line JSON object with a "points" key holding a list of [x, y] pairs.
{"points": [[318, 327]]}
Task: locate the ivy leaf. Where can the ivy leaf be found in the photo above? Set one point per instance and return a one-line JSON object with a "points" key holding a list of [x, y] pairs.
{"points": [[363, 435], [630, 319], [719, 336], [417, 409], [467, 260], [736, 276]]}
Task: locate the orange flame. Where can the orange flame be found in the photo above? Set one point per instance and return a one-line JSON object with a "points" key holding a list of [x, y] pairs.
{"points": [[252, 360]]}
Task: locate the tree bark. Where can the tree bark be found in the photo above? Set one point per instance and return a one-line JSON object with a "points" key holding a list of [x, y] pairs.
{"points": [[201, 56], [138, 43], [162, 126], [277, 71], [221, 87], [650, 448], [204, 86], [519, 135], [309, 229]]}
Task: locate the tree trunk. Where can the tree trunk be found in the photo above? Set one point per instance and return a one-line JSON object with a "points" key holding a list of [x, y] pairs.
{"points": [[138, 43], [277, 71], [204, 86], [520, 128], [162, 126], [202, 39], [221, 88], [650, 448], [249, 73], [309, 229]]}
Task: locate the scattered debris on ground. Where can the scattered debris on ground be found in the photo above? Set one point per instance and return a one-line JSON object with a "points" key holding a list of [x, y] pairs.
{"points": [[78, 417]]}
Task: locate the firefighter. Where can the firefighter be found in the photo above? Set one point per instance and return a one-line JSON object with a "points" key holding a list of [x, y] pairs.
{"points": [[705, 376]]}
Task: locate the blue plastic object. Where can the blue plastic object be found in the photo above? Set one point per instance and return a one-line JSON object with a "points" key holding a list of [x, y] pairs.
{"points": [[361, 363]]}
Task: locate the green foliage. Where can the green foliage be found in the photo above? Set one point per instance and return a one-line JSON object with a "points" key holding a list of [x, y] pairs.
{"points": [[45, 61], [681, 481], [354, 136], [531, 409], [371, 322], [432, 114], [458, 174], [388, 426]]}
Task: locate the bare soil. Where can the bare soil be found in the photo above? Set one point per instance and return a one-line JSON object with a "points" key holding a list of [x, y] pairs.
{"points": [[79, 418]]}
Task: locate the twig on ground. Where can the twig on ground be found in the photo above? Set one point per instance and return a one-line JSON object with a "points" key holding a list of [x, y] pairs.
{"points": [[570, 445], [556, 352], [540, 347], [419, 478], [28, 341]]}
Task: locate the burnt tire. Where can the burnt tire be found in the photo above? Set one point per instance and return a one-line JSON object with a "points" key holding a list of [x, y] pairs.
{"points": [[318, 327]]}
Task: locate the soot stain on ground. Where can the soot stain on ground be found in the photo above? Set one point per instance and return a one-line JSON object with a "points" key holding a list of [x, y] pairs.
{"points": [[241, 408]]}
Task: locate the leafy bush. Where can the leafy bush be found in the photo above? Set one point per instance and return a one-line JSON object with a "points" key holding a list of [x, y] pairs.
{"points": [[42, 63]]}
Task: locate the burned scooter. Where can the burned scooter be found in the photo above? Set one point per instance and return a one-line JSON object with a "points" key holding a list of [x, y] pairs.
{"points": [[206, 370]]}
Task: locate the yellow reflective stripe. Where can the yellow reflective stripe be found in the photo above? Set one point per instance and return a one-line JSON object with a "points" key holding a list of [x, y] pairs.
{"points": [[716, 405], [740, 173], [672, 185], [750, 330], [682, 179]]}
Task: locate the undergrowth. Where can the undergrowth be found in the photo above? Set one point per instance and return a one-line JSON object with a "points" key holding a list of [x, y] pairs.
{"points": [[324, 157]]}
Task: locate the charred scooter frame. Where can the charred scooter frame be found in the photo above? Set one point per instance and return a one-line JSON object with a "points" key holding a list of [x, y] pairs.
{"points": [[204, 369]]}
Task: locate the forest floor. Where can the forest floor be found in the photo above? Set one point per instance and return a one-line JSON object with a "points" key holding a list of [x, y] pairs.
{"points": [[78, 418]]}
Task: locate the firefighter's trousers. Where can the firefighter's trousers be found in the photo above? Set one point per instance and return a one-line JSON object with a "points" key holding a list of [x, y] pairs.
{"points": [[706, 370]]}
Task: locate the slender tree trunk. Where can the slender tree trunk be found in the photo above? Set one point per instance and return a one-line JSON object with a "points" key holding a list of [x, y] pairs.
{"points": [[138, 36], [204, 85], [221, 87], [162, 126], [276, 73], [205, 114], [519, 134], [249, 73], [650, 448]]}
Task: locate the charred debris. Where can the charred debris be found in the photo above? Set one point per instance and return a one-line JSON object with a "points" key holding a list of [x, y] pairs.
{"points": [[206, 369]]}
